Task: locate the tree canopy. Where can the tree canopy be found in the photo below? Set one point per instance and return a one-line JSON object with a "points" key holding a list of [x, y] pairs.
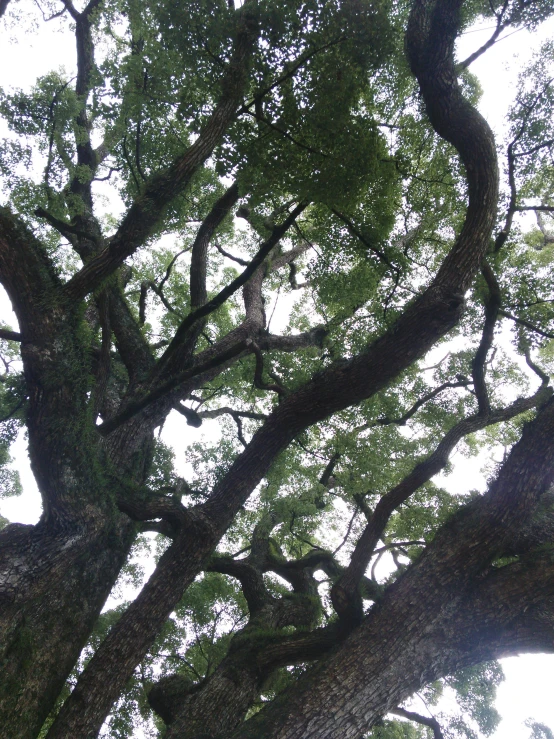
{"points": [[287, 225]]}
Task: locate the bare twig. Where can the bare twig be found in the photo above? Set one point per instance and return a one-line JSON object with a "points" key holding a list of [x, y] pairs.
{"points": [[238, 260], [431, 722], [527, 324]]}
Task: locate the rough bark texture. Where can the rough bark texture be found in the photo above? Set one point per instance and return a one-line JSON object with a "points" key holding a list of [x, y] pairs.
{"points": [[439, 617], [54, 585], [55, 576], [61, 571]]}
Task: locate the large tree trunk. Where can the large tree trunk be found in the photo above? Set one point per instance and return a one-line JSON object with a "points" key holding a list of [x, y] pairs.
{"points": [[55, 576], [509, 612], [53, 585]]}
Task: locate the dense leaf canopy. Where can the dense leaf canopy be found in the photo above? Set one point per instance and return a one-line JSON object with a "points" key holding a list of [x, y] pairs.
{"points": [[270, 268]]}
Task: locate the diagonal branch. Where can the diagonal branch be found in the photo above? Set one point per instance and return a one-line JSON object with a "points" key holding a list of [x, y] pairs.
{"points": [[164, 389], [355, 231], [172, 355], [429, 721], [500, 26], [402, 420], [132, 346], [292, 68], [238, 260], [527, 324], [143, 216], [67, 230]]}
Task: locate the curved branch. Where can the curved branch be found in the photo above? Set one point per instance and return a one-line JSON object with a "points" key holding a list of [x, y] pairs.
{"points": [[430, 38], [154, 506], [198, 293], [232, 412], [429, 721], [86, 226], [250, 577], [26, 273], [170, 266], [258, 374], [492, 308]]}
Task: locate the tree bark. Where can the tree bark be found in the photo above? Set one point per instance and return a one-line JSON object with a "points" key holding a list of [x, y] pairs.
{"points": [[53, 585], [52, 593], [431, 35], [3, 6], [440, 616]]}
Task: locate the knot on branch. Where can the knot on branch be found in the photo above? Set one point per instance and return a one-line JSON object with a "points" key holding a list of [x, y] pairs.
{"points": [[318, 335], [348, 605], [192, 417], [297, 609], [149, 506], [166, 696]]}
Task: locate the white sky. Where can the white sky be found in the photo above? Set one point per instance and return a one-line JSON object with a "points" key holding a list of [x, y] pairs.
{"points": [[527, 691]]}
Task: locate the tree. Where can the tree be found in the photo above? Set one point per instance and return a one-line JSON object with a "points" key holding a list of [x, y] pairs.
{"points": [[246, 145]]}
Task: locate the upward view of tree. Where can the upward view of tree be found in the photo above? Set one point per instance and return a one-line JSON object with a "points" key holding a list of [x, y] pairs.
{"points": [[262, 216]]}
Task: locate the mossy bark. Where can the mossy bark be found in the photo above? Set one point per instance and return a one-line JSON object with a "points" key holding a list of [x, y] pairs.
{"points": [[54, 584]]}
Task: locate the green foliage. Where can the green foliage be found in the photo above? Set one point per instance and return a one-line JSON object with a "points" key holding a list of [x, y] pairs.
{"points": [[330, 117], [399, 730], [538, 730], [475, 689], [162, 473]]}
